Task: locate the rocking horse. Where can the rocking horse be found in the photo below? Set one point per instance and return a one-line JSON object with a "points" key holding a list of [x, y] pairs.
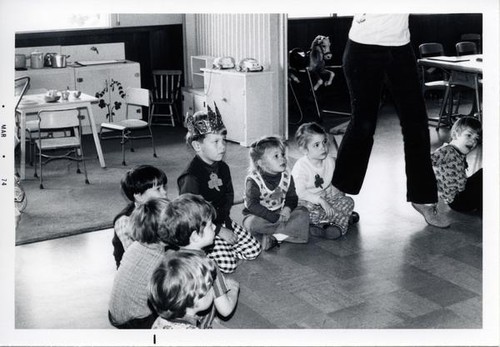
{"points": [[314, 61], [320, 51]]}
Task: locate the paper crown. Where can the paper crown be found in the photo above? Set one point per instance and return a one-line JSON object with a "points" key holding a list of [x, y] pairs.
{"points": [[202, 123]]}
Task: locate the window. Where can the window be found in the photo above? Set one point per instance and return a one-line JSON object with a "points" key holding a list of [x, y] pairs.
{"points": [[62, 21]]}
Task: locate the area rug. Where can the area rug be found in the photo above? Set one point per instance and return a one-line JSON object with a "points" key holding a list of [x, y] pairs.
{"points": [[67, 206]]}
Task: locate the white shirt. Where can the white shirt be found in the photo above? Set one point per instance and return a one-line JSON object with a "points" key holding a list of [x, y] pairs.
{"points": [[304, 175], [380, 29]]}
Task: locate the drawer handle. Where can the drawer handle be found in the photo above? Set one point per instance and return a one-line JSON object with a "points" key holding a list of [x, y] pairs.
{"points": [[136, 74], [224, 99], [79, 80]]}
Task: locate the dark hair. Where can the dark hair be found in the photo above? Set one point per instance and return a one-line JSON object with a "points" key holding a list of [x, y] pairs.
{"points": [[181, 278], [466, 122], [258, 148], [184, 214], [142, 178], [305, 131], [147, 219], [200, 116]]}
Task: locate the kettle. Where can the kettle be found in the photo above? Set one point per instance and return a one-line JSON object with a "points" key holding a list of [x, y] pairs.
{"points": [[36, 60], [47, 61]]}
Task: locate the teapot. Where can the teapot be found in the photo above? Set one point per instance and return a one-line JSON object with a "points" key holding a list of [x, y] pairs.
{"points": [[47, 61]]}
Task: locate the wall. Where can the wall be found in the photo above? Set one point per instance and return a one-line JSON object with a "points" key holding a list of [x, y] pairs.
{"points": [[258, 36], [153, 47], [443, 28], [145, 19]]}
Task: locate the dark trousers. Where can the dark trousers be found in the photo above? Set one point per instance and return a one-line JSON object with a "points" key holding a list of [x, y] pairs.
{"points": [[472, 197], [366, 67]]}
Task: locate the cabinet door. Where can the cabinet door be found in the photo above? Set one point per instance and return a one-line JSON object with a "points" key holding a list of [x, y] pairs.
{"points": [[49, 78], [199, 102], [227, 92], [92, 80], [124, 76], [187, 103]]}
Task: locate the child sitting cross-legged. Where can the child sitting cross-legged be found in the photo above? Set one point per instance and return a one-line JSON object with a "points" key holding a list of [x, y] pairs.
{"points": [[270, 198], [329, 209], [138, 185], [188, 225], [455, 188], [181, 288], [128, 305], [209, 176]]}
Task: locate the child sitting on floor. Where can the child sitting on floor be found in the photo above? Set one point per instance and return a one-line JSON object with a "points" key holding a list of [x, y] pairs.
{"points": [[138, 185], [188, 225], [128, 306], [180, 288], [270, 198], [209, 176], [449, 162], [329, 209]]}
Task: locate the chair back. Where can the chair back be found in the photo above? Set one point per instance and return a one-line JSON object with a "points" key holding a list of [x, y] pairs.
{"points": [[137, 97], [476, 38], [21, 86], [166, 85], [466, 48], [431, 49], [58, 119]]}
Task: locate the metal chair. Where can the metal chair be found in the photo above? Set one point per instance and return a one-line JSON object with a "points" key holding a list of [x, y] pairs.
{"points": [[466, 48], [165, 95], [133, 97], [432, 78], [476, 38], [21, 86], [66, 128]]}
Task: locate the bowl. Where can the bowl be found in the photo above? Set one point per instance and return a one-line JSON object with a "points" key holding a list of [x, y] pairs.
{"points": [[52, 98]]}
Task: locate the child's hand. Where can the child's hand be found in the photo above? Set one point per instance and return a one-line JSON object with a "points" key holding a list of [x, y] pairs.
{"points": [[328, 209], [232, 284], [285, 214], [228, 236]]}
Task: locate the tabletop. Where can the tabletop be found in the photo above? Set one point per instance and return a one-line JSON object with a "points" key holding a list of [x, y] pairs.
{"points": [[34, 102], [466, 63]]}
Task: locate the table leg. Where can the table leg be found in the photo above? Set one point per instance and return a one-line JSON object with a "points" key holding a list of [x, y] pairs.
{"points": [[96, 136], [478, 101], [22, 161]]}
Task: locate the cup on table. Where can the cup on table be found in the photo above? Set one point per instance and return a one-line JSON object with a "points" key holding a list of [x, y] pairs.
{"points": [[65, 95], [77, 94]]}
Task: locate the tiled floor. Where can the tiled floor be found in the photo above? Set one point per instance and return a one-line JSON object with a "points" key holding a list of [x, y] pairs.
{"points": [[391, 271]]}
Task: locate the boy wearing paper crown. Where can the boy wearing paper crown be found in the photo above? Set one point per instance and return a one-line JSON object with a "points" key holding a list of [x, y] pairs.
{"points": [[209, 176]]}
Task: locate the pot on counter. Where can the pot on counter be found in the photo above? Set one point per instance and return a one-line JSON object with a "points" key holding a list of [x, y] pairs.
{"points": [[59, 60], [36, 60], [20, 62]]}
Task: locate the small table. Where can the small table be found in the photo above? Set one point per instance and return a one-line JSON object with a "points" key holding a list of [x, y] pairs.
{"points": [[464, 70], [32, 104]]}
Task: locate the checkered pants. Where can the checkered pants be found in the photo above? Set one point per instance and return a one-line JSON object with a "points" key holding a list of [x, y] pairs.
{"points": [[342, 205], [227, 256]]}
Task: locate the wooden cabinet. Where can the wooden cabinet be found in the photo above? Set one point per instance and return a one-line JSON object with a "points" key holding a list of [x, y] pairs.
{"points": [[199, 62], [244, 101], [49, 78], [108, 83], [193, 100]]}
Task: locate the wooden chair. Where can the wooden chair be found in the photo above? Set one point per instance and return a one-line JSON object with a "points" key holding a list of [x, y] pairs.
{"points": [[66, 129], [165, 95], [133, 97]]}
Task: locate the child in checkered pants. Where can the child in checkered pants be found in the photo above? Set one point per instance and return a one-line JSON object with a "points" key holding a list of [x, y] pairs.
{"points": [[329, 209], [209, 176], [270, 198]]}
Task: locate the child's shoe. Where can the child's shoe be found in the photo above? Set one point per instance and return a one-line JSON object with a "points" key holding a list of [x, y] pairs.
{"points": [[269, 242], [354, 218], [332, 231], [317, 231]]}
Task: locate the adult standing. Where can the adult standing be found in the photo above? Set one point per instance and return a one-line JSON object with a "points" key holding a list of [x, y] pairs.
{"points": [[379, 48]]}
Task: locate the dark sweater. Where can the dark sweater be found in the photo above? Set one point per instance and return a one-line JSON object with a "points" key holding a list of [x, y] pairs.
{"points": [[214, 183]]}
